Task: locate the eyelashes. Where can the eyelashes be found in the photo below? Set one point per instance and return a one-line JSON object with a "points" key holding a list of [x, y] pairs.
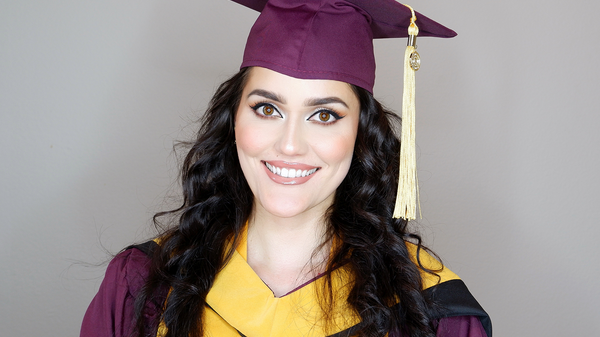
{"points": [[321, 116]]}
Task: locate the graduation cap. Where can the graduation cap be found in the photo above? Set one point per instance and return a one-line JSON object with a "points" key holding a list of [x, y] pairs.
{"points": [[333, 40]]}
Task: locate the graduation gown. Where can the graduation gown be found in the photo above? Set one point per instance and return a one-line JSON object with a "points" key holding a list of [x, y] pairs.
{"points": [[240, 304]]}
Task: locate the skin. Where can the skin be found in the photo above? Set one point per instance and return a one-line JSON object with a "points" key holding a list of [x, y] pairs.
{"points": [[295, 124]]}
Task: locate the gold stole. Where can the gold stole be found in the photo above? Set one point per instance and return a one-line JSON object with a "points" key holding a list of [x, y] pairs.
{"points": [[240, 300]]}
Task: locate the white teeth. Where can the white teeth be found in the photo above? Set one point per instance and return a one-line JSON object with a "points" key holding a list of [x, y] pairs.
{"points": [[290, 173]]}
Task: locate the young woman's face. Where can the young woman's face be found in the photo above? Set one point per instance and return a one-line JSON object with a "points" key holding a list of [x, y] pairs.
{"points": [[295, 140]]}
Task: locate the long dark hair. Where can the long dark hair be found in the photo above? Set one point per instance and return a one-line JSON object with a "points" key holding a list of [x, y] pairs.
{"points": [[217, 201]]}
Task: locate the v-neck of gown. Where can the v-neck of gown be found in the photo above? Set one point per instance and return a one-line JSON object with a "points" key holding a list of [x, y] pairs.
{"points": [[242, 250], [244, 301]]}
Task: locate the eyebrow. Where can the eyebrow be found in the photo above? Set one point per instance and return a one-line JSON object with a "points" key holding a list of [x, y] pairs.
{"points": [[325, 101], [309, 102], [268, 95]]}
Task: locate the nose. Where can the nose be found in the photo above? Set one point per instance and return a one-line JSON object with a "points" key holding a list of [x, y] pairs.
{"points": [[292, 140]]}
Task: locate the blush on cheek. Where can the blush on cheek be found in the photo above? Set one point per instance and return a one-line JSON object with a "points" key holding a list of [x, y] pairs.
{"points": [[248, 140], [337, 149]]}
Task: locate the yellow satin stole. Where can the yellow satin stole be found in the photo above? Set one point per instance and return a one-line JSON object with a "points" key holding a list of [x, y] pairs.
{"points": [[240, 301]]}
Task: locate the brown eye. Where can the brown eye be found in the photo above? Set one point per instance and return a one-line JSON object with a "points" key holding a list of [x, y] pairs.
{"points": [[268, 110], [324, 116]]}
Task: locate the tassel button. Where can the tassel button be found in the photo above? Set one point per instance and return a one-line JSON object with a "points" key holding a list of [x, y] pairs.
{"points": [[415, 61]]}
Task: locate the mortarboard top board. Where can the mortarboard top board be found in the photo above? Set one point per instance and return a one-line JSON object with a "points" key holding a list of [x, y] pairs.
{"points": [[333, 40], [328, 39]]}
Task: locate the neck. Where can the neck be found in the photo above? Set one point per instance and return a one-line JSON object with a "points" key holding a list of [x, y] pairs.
{"points": [[284, 252]]}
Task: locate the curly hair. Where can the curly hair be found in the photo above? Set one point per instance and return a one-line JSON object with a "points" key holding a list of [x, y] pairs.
{"points": [[217, 201]]}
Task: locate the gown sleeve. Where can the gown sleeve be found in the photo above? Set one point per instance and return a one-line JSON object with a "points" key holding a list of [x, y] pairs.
{"points": [[460, 326], [111, 313]]}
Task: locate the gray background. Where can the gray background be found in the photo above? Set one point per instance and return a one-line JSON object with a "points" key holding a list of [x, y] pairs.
{"points": [[94, 93]]}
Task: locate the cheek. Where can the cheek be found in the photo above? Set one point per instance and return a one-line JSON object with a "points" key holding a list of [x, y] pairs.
{"points": [[336, 151], [250, 139], [248, 142], [249, 147]]}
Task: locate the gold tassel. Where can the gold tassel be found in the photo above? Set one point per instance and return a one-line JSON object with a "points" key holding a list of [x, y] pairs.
{"points": [[407, 197]]}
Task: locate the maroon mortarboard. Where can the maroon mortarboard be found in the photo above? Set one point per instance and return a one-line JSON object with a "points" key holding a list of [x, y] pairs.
{"points": [[333, 40], [328, 39]]}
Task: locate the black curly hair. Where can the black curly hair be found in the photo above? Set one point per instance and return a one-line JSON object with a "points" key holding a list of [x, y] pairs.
{"points": [[217, 201]]}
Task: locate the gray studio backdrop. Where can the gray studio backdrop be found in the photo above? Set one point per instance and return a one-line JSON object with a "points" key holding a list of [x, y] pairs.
{"points": [[93, 95]]}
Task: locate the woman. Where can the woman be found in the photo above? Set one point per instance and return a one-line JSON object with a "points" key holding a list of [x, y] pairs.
{"points": [[286, 227]]}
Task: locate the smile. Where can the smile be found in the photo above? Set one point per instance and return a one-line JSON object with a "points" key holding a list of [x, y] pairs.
{"points": [[290, 172]]}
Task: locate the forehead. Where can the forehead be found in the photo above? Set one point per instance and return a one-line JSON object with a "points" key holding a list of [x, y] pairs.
{"points": [[294, 88]]}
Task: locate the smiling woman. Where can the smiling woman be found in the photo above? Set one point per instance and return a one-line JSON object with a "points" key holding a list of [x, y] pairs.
{"points": [[286, 226]]}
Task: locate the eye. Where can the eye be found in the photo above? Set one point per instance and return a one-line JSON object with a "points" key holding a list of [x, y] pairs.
{"points": [[266, 110], [325, 117]]}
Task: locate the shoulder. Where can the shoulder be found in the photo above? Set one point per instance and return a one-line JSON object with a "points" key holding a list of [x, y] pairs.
{"points": [[446, 289], [132, 266], [127, 272], [454, 300], [111, 312]]}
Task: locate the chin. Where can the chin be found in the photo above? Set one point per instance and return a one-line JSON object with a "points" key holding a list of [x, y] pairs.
{"points": [[283, 211], [291, 206]]}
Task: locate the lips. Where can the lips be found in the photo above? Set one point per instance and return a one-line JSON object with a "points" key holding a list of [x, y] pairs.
{"points": [[289, 173]]}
